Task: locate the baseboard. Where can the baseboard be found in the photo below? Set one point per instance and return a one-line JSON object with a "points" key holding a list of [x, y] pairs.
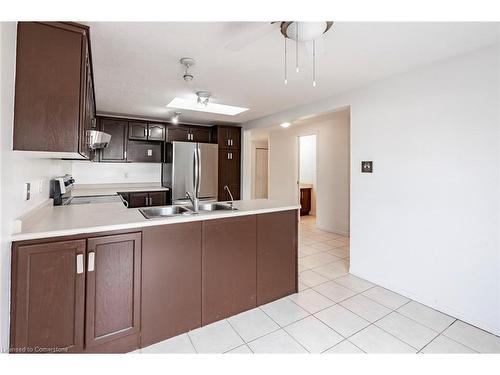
{"points": [[335, 231], [448, 310]]}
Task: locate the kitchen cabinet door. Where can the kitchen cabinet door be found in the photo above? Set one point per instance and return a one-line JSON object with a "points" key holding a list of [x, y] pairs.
{"points": [[276, 255], [50, 87], [171, 281], [48, 297], [113, 288], [229, 174], [138, 130], [156, 132], [157, 198], [201, 134], [117, 147], [178, 133], [229, 137], [144, 152], [228, 267], [139, 199]]}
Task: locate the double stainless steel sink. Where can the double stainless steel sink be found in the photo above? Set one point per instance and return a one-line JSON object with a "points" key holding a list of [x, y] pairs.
{"points": [[173, 211]]}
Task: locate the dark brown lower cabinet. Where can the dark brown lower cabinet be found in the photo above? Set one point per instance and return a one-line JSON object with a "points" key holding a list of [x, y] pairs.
{"points": [[171, 281], [276, 255], [113, 288], [305, 201], [228, 267], [143, 199], [139, 199], [116, 292], [48, 297]]}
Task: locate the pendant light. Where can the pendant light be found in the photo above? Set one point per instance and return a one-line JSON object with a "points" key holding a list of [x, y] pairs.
{"points": [[309, 32]]}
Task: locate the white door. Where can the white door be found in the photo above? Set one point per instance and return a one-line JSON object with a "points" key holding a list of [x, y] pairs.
{"points": [[260, 188]]}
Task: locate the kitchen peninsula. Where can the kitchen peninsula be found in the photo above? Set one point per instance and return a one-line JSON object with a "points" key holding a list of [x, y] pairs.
{"points": [[103, 278]]}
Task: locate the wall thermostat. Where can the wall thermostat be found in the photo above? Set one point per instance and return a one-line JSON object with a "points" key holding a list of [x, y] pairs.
{"points": [[367, 167]]}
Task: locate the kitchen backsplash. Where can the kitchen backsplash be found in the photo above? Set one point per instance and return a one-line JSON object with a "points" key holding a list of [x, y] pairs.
{"points": [[86, 172]]}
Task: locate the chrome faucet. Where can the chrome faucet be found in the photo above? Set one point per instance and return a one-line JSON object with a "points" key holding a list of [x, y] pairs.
{"points": [[194, 200], [231, 195]]}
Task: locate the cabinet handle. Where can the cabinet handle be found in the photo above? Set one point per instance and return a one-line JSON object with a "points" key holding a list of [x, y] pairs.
{"points": [[229, 142], [91, 262], [149, 133], [145, 133], [146, 201], [150, 201], [79, 263]]}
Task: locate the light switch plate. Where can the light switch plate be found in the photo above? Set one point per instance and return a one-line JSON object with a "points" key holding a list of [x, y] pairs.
{"points": [[367, 167]]}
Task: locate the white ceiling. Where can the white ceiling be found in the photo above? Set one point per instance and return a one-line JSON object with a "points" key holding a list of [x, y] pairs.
{"points": [[137, 71]]}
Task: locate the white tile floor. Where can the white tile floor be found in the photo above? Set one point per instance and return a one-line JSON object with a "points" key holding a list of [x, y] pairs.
{"points": [[334, 312]]}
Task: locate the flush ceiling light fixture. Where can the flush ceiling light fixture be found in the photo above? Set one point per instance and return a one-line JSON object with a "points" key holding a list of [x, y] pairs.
{"points": [[194, 105], [188, 62], [299, 31], [175, 118], [285, 124], [203, 97]]}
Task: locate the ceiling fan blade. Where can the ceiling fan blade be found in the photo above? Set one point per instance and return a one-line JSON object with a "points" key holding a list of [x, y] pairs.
{"points": [[249, 34]]}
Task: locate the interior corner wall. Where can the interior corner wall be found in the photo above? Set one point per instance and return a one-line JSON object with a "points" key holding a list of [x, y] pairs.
{"points": [[426, 222], [17, 168], [332, 163]]}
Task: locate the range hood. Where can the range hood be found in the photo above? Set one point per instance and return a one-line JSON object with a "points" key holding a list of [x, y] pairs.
{"points": [[97, 139]]}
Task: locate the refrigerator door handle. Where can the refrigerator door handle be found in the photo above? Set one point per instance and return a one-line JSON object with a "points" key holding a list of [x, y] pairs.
{"points": [[198, 185], [196, 170]]}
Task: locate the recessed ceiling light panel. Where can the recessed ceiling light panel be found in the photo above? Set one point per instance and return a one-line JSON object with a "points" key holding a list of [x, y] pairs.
{"points": [[285, 124], [193, 105]]}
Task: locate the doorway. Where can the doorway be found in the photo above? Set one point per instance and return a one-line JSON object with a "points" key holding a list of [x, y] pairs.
{"points": [[307, 175], [261, 173]]}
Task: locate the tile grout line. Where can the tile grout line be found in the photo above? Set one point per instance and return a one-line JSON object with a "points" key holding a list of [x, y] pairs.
{"points": [[283, 327]]}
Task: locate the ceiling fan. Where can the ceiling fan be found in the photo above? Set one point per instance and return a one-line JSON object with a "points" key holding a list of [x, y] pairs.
{"points": [[308, 33]]}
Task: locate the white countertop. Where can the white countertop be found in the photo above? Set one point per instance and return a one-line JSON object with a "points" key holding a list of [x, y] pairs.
{"points": [[54, 221], [86, 190]]}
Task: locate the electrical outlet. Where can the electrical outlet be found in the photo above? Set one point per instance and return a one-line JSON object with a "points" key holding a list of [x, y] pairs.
{"points": [[150, 152], [27, 191]]}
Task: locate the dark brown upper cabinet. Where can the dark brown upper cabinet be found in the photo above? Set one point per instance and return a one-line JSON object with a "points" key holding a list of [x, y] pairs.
{"points": [[117, 147], [228, 137], [138, 130], [178, 133], [189, 133], [113, 295], [146, 132], [48, 293], [156, 132], [54, 95]]}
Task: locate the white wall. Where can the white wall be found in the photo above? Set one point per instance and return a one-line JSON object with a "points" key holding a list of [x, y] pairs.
{"points": [[332, 163], [307, 166], [86, 172], [16, 168], [307, 159], [426, 222]]}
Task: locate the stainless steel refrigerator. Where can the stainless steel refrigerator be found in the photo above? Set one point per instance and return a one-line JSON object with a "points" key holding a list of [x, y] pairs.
{"points": [[190, 167]]}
